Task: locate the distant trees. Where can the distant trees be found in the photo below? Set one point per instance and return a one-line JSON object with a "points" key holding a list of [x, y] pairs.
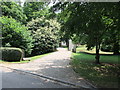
{"points": [[35, 9]]}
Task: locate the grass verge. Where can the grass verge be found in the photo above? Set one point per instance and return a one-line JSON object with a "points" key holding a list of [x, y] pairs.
{"points": [[105, 75]]}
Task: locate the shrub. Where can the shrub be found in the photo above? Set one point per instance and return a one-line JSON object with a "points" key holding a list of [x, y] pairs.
{"points": [[11, 54], [46, 35], [15, 35]]}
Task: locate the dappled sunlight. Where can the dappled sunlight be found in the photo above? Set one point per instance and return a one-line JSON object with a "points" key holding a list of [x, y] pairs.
{"points": [[110, 59], [98, 74], [54, 65], [65, 40], [58, 67], [83, 49]]}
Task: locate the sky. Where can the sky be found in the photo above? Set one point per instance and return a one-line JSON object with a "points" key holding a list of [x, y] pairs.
{"points": [[51, 3]]}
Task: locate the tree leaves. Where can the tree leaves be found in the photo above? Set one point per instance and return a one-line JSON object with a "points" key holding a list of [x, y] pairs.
{"points": [[11, 9], [46, 34], [16, 35]]}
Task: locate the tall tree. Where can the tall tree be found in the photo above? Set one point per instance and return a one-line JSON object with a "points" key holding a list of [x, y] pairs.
{"points": [[35, 9], [87, 19], [113, 21], [11, 9]]}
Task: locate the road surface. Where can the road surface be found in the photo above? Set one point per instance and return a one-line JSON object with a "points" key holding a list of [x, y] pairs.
{"points": [[15, 79], [55, 65]]}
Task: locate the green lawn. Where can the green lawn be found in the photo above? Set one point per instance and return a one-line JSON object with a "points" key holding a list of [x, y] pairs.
{"points": [[32, 58], [104, 75], [82, 48]]}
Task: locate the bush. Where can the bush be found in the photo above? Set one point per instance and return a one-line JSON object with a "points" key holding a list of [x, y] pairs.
{"points": [[46, 35], [15, 35], [11, 54]]}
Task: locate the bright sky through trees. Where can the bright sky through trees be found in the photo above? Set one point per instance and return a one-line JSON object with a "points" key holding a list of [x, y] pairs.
{"points": [[51, 3]]}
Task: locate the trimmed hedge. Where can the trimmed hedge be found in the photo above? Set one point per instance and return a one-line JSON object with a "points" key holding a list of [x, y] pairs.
{"points": [[11, 54]]}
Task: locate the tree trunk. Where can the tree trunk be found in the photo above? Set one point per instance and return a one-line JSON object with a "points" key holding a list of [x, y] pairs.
{"points": [[97, 57], [116, 48], [60, 44], [67, 42]]}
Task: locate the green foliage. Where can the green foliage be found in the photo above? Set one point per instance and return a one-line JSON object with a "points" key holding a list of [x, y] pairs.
{"points": [[46, 34], [35, 9], [92, 21], [107, 48], [15, 35], [11, 54], [112, 21], [11, 9]]}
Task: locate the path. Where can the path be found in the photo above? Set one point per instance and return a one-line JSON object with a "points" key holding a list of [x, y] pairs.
{"points": [[55, 65]]}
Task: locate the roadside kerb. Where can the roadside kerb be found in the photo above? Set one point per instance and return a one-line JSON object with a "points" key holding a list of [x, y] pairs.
{"points": [[53, 79]]}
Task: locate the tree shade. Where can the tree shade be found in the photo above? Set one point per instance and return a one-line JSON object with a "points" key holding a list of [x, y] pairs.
{"points": [[91, 21]]}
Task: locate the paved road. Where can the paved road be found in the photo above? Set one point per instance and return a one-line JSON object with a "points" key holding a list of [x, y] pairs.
{"points": [[56, 65], [12, 79]]}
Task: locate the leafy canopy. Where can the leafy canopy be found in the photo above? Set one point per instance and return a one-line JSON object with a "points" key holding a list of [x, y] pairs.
{"points": [[15, 35], [35, 9], [11, 9], [92, 21], [46, 34]]}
